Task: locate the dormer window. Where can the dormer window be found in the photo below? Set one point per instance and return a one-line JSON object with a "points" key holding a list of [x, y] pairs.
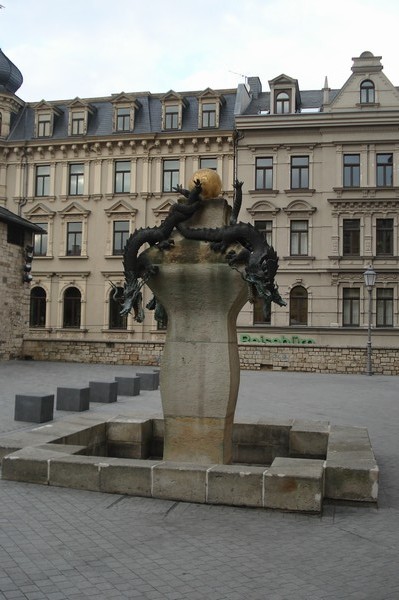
{"points": [[209, 114], [367, 92], [282, 103], [172, 117], [172, 111], [122, 119], [209, 104], [45, 115], [78, 121], [125, 107], [44, 125]]}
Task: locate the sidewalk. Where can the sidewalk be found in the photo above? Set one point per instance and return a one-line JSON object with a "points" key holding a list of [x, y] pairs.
{"points": [[63, 544]]}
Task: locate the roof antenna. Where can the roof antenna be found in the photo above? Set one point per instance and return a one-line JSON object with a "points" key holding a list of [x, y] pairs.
{"points": [[240, 75]]}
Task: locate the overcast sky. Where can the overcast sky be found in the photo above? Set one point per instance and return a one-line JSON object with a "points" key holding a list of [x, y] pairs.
{"points": [[89, 48]]}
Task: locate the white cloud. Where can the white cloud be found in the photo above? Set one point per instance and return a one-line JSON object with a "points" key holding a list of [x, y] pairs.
{"points": [[96, 47]]}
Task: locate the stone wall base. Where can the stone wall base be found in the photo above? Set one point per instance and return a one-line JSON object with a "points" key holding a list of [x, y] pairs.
{"points": [[313, 359]]}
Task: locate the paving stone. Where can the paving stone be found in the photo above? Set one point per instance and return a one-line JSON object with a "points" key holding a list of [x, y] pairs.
{"points": [[80, 535]]}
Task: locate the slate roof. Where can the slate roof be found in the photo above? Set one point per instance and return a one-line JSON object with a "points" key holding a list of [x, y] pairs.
{"points": [[148, 117], [9, 217], [309, 99], [10, 76]]}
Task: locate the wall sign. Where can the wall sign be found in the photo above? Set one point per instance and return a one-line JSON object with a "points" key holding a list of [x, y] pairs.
{"points": [[246, 338]]}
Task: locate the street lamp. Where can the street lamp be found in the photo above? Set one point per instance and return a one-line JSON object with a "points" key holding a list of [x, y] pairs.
{"points": [[369, 280]]}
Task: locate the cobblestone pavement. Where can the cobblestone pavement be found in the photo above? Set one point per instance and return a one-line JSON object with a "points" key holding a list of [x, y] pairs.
{"points": [[62, 544]]}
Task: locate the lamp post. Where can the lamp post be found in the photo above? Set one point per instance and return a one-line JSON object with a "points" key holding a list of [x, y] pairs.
{"points": [[370, 277]]}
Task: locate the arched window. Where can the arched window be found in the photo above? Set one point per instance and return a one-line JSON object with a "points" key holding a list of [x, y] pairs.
{"points": [[37, 315], [72, 304], [262, 312], [298, 306], [367, 92], [116, 320], [282, 103]]}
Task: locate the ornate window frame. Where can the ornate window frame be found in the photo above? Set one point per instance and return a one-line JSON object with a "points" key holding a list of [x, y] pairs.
{"points": [[168, 100], [79, 106], [41, 110], [40, 213], [208, 97], [72, 213], [128, 102], [120, 211]]}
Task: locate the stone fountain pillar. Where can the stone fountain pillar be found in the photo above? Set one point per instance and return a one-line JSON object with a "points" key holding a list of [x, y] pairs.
{"points": [[200, 369]]}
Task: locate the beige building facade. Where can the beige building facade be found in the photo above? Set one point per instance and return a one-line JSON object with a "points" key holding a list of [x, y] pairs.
{"points": [[321, 179]]}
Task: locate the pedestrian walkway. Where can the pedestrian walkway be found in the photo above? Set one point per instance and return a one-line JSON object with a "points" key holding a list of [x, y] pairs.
{"points": [[64, 544]]}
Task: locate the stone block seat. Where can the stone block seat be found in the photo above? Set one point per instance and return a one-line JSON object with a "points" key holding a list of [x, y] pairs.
{"points": [[103, 391], [295, 484], [74, 399], [149, 380], [34, 408], [128, 386]]}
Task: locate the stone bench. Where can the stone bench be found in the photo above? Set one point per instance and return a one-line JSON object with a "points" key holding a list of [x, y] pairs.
{"points": [[103, 391], [74, 399], [308, 439], [128, 386], [149, 380], [294, 484], [351, 469], [34, 408]]}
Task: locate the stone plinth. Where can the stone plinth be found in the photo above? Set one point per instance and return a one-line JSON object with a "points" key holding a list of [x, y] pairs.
{"points": [[34, 408], [200, 367]]}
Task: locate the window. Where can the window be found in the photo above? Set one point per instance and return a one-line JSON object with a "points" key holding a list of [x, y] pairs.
{"points": [[208, 163], [40, 241], [262, 312], [266, 228], [384, 170], [15, 235], [72, 304], [384, 307], [37, 313], [351, 237], [384, 237], [299, 172], [42, 180], [76, 177], [170, 175], [299, 238], [116, 320], [120, 235], [123, 119], [351, 170], [122, 176], [74, 238], [282, 103], [298, 306], [367, 92], [351, 307], [264, 174], [209, 114], [162, 324], [44, 125], [77, 123], [172, 117]]}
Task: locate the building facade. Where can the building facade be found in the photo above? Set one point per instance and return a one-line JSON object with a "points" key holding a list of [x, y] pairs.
{"points": [[16, 247], [321, 180]]}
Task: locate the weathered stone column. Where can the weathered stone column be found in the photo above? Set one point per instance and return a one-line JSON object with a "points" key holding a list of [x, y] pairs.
{"points": [[200, 368]]}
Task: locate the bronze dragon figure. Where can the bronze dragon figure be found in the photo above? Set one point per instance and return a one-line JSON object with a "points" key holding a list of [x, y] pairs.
{"points": [[257, 261]]}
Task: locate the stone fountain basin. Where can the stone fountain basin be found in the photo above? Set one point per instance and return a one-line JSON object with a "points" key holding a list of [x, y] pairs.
{"points": [[288, 465]]}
